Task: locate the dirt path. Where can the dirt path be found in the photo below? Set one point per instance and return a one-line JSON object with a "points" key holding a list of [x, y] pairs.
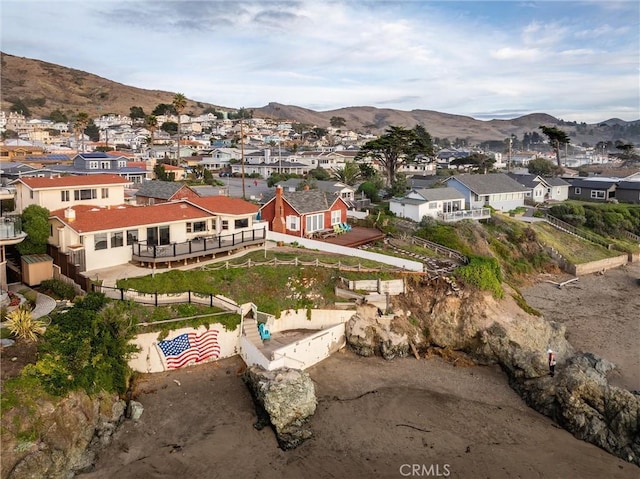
{"points": [[602, 316], [375, 418]]}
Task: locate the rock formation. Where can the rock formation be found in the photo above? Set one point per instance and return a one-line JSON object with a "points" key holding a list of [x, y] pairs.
{"points": [[498, 331], [72, 431], [284, 398]]}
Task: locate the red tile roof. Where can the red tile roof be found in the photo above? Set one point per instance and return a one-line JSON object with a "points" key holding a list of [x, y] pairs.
{"points": [[172, 168], [137, 164], [92, 218], [68, 181], [225, 205]]}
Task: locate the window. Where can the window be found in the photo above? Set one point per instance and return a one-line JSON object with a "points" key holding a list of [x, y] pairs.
{"points": [[598, 194], [336, 217], [117, 239], [50, 230], [225, 224], [100, 241], [577, 191], [64, 195], [105, 192], [197, 227], [85, 194], [93, 165], [158, 235], [433, 205], [314, 222], [241, 223], [293, 223], [31, 194], [105, 165], [132, 236]]}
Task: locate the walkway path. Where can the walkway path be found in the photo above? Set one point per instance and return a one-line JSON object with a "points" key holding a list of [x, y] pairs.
{"points": [[44, 303]]}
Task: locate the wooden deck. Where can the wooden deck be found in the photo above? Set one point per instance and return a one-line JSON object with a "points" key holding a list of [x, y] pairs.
{"points": [[356, 237]]}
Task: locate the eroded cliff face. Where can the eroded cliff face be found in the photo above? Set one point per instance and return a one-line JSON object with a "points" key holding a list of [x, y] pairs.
{"points": [[498, 331], [70, 430]]}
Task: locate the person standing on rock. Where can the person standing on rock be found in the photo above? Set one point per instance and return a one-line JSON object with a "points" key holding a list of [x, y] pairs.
{"points": [[552, 362]]}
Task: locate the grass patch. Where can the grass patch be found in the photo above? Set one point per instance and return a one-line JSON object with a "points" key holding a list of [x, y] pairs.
{"points": [[575, 250]]}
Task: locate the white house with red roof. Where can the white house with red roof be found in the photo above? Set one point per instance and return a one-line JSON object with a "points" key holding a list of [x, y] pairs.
{"points": [[161, 233], [65, 191]]}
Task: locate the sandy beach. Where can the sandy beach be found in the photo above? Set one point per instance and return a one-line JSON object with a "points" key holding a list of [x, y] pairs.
{"points": [[375, 418], [602, 316]]}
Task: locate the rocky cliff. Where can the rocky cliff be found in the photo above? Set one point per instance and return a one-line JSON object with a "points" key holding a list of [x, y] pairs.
{"points": [[498, 331], [70, 432]]}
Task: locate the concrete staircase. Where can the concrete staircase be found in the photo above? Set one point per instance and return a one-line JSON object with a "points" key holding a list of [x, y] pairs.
{"points": [[250, 330]]}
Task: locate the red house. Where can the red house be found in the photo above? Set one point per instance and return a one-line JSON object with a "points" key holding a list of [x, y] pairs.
{"points": [[302, 213]]}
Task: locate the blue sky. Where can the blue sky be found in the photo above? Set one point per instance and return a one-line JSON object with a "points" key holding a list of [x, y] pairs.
{"points": [[574, 60]]}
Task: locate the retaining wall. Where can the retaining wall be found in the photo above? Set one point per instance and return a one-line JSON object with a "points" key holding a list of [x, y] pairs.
{"points": [[595, 266]]}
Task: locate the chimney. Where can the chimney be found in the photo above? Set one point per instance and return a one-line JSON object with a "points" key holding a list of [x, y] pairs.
{"points": [[279, 224], [70, 214]]}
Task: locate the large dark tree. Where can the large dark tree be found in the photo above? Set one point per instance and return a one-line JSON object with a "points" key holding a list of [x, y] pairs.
{"points": [[398, 146], [164, 109], [557, 139], [478, 162], [543, 167], [337, 122], [136, 113], [35, 222]]}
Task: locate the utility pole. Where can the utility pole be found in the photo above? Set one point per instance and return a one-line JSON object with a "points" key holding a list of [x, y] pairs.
{"points": [[244, 197], [509, 159]]}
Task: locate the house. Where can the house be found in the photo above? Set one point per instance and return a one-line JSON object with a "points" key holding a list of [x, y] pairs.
{"points": [[176, 231], [536, 189], [12, 171], [179, 172], [557, 189], [495, 190], [628, 191], [593, 189], [19, 151], [65, 191], [344, 191], [302, 213], [431, 202], [100, 163], [155, 191]]}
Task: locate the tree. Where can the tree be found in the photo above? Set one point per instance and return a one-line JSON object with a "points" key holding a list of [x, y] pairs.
{"points": [[337, 122], [319, 174], [8, 134], [80, 124], [92, 131], [151, 124], [161, 174], [23, 325], [476, 162], [543, 167], [170, 127], [57, 116], [395, 148], [208, 176], [179, 104], [349, 174], [164, 109], [20, 106], [557, 138], [35, 222], [136, 113], [626, 149]]}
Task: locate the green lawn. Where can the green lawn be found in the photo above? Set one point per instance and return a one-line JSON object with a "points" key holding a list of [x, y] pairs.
{"points": [[575, 250]]}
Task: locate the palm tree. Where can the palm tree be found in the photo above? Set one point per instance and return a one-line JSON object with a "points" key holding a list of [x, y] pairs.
{"points": [[179, 104], [151, 124], [349, 174], [82, 120]]}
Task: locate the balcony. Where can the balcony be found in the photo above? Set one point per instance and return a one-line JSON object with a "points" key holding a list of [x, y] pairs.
{"points": [[11, 230], [210, 245], [475, 214]]}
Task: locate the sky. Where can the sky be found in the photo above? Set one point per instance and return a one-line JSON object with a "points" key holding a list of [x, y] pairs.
{"points": [[576, 60]]}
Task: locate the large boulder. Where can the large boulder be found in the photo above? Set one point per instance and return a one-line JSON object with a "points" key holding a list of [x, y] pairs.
{"points": [[284, 398], [580, 399], [369, 333]]}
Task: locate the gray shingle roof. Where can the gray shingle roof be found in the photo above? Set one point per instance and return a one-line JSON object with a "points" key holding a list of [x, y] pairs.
{"points": [[159, 189], [629, 185], [439, 194], [489, 184], [555, 181], [525, 180], [309, 201]]}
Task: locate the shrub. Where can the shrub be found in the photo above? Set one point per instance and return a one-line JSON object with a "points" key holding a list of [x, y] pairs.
{"points": [[58, 289], [22, 324], [484, 273]]}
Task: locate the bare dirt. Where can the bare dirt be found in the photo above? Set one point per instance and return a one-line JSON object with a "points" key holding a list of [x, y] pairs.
{"points": [[602, 316]]}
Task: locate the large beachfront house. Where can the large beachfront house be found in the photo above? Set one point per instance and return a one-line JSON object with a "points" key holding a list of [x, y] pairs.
{"points": [[64, 191], [496, 190]]}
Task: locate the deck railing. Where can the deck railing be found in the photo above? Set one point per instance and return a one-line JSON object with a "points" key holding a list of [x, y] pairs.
{"points": [[475, 214], [11, 227], [142, 251]]}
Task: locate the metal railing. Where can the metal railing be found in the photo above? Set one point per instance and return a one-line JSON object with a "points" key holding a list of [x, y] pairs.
{"points": [[569, 228], [196, 247], [440, 249], [11, 227], [475, 214]]}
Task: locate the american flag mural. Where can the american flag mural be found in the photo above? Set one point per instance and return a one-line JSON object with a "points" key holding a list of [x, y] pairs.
{"points": [[190, 348]]}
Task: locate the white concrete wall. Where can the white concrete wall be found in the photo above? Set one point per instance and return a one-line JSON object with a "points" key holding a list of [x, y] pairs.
{"points": [[332, 248], [149, 360], [310, 350], [320, 319], [252, 356]]}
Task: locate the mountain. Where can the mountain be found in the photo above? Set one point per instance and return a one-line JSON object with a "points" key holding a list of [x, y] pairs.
{"points": [[44, 87]]}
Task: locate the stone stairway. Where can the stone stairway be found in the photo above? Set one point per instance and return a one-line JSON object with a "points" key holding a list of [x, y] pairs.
{"points": [[250, 330]]}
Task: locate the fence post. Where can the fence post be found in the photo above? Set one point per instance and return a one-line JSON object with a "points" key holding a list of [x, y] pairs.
{"points": [[211, 300], [156, 299], [121, 294], [189, 296]]}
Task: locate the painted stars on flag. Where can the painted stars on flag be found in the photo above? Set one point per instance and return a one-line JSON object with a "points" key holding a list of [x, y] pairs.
{"points": [[190, 348]]}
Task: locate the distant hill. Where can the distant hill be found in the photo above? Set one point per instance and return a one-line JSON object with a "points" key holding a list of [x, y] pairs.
{"points": [[45, 87]]}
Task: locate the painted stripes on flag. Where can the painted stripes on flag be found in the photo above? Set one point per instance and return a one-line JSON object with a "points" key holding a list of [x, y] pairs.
{"points": [[190, 348]]}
